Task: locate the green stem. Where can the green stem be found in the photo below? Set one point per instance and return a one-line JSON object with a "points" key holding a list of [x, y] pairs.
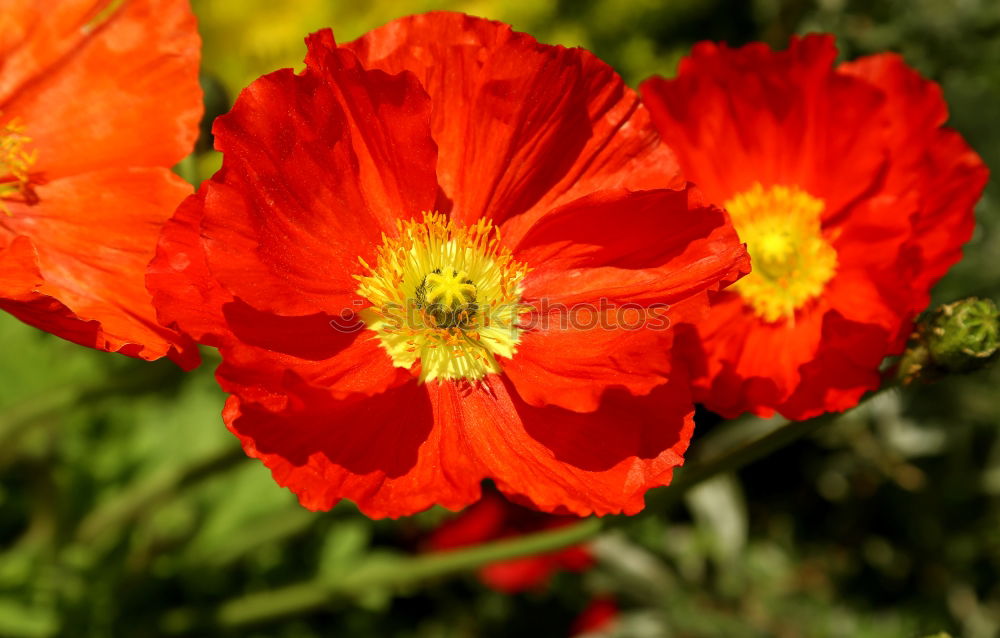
{"points": [[433, 565], [395, 574]]}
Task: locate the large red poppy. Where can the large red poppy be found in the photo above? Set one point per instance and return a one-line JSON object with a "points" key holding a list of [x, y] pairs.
{"points": [[493, 518], [550, 187], [98, 99], [853, 200]]}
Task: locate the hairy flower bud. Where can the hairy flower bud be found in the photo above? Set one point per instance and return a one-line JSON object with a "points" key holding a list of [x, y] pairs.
{"points": [[964, 335], [958, 337]]}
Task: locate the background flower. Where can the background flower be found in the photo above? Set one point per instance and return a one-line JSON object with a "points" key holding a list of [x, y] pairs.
{"points": [[492, 518], [853, 201], [97, 101]]}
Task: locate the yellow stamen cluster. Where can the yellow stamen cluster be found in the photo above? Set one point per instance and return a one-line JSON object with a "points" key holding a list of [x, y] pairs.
{"points": [[446, 296], [15, 162], [791, 258]]}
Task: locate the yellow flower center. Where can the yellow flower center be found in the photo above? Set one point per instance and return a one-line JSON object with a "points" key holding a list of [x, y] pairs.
{"points": [[15, 163], [791, 259], [446, 296]]}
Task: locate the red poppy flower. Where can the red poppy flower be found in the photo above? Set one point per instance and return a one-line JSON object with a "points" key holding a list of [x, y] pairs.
{"points": [[853, 200], [494, 518], [599, 614], [97, 100], [436, 177]]}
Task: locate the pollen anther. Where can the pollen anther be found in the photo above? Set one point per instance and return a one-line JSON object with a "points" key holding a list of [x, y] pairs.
{"points": [[15, 164], [445, 296], [791, 258]]}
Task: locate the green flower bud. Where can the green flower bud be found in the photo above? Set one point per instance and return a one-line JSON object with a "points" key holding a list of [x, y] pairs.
{"points": [[965, 335]]}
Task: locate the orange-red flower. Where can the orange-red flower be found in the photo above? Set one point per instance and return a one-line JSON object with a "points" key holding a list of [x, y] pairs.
{"points": [[365, 256], [98, 98], [853, 200], [493, 518]]}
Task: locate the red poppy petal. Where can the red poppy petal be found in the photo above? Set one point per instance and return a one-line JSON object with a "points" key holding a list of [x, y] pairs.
{"points": [[33, 38], [494, 517], [739, 116], [874, 254], [956, 177], [134, 71], [313, 337], [397, 453], [572, 367], [185, 295], [267, 348], [874, 298], [601, 463], [916, 108], [575, 559], [19, 275], [876, 232], [929, 159], [519, 574], [751, 364], [520, 124], [603, 303], [828, 358], [842, 371], [483, 521], [589, 250], [382, 452], [324, 350], [599, 614], [317, 166], [20, 280], [93, 260]]}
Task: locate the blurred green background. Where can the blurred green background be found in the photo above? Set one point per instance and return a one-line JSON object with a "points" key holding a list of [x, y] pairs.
{"points": [[126, 509]]}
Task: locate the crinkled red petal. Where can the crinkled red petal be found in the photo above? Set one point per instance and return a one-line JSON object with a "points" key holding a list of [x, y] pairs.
{"points": [[739, 116], [412, 446], [387, 453], [522, 127], [604, 304], [316, 167], [91, 236], [927, 159]]}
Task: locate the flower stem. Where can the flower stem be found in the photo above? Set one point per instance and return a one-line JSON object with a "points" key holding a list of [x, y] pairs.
{"points": [[390, 573]]}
